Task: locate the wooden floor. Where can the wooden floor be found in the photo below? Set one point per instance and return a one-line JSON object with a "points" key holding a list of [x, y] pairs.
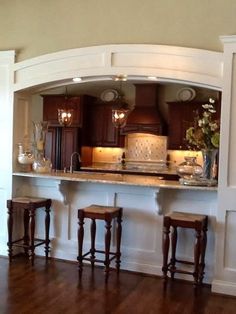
{"points": [[54, 288]]}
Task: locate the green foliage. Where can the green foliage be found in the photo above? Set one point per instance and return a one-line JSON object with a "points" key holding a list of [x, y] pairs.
{"points": [[205, 133]]}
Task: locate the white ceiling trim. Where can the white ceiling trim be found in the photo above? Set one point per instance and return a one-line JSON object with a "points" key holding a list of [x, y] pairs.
{"points": [[167, 63]]}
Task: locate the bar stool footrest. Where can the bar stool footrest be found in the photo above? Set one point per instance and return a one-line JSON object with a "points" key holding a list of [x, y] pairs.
{"points": [[90, 259]]}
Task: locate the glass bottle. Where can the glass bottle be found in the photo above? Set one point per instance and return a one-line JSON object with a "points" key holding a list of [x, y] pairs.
{"points": [[25, 156]]}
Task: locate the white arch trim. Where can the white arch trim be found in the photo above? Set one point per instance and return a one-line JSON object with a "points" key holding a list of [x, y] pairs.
{"points": [[167, 63]]}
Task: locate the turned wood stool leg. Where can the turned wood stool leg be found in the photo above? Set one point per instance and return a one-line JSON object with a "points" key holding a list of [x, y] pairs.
{"points": [[32, 230], [118, 240], [26, 231], [197, 250], [80, 241], [93, 236], [173, 252], [107, 246], [47, 227], [203, 251], [165, 246], [10, 226]]}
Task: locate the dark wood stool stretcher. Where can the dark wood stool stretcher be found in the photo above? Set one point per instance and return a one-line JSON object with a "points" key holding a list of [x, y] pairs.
{"points": [[28, 207], [185, 220], [106, 213]]}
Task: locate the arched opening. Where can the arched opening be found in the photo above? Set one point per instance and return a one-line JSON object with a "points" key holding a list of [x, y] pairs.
{"points": [[180, 74]]}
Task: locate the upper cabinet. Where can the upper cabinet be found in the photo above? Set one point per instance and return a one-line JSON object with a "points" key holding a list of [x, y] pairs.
{"points": [[146, 116], [181, 117], [51, 104], [99, 128]]}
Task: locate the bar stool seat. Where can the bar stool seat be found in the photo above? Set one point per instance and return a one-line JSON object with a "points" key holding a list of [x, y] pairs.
{"points": [[185, 220], [28, 207], [106, 213]]}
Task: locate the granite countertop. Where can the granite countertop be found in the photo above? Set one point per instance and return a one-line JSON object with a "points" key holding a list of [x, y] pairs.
{"points": [[131, 168], [113, 178]]}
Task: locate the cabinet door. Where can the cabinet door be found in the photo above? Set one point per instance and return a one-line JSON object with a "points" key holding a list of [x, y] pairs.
{"points": [[95, 126], [69, 144], [60, 144], [175, 129], [51, 104], [110, 133], [101, 131], [50, 146]]}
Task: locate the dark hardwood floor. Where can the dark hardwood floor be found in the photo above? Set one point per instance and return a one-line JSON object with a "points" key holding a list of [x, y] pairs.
{"points": [[54, 289]]}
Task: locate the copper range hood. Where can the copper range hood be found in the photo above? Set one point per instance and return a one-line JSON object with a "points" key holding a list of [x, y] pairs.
{"points": [[145, 117]]}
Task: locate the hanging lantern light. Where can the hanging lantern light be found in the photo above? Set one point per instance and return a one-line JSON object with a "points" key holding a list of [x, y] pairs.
{"points": [[65, 115], [120, 110]]}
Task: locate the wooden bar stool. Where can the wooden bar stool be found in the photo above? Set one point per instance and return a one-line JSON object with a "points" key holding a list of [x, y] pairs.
{"points": [[28, 206], [106, 213], [185, 220]]}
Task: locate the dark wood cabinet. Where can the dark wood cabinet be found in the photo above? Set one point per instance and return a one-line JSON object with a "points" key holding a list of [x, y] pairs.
{"points": [[100, 130], [181, 117], [60, 144], [70, 142], [51, 146]]}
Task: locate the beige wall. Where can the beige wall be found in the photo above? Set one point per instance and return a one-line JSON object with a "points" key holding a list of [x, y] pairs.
{"points": [[37, 27]]}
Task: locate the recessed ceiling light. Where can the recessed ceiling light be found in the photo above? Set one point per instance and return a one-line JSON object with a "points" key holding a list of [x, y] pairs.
{"points": [[77, 79], [152, 78], [120, 77]]}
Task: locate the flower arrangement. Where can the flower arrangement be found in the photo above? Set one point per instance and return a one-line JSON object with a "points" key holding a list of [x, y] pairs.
{"points": [[205, 132]]}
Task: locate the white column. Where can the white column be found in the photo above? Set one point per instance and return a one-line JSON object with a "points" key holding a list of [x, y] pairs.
{"points": [[225, 268], [6, 139]]}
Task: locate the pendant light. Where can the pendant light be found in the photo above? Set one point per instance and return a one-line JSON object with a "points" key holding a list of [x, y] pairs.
{"points": [[65, 115], [120, 109]]}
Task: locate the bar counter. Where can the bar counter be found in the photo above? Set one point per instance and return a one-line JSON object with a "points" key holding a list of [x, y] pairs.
{"points": [[114, 178]]}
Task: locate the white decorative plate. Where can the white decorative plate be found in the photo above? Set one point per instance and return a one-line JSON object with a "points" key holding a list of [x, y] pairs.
{"points": [[109, 95], [186, 94]]}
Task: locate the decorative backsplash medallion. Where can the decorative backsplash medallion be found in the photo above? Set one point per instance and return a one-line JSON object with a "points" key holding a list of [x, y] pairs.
{"points": [[146, 147]]}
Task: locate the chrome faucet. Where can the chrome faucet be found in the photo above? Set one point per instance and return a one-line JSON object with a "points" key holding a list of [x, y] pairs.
{"points": [[71, 160]]}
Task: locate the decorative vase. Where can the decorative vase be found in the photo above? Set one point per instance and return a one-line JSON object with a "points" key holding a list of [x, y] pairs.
{"points": [[41, 163], [209, 157], [189, 169]]}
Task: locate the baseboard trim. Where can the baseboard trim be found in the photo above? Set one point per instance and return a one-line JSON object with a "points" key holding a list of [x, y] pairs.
{"points": [[224, 287]]}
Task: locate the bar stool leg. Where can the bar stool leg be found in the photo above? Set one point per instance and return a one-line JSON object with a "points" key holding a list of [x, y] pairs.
{"points": [[47, 227], [107, 247], [173, 252], [202, 259], [118, 240], [197, 248], [10, 226], [26, 231], [32, 230], [80, 241], [165, 246], [93, 235]]}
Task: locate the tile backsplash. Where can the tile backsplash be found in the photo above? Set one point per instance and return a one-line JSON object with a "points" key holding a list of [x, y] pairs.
{"points": [[146, 147]]}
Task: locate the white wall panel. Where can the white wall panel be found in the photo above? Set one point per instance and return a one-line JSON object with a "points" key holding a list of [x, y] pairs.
{"points": [[142, 225], [230, 236]]}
